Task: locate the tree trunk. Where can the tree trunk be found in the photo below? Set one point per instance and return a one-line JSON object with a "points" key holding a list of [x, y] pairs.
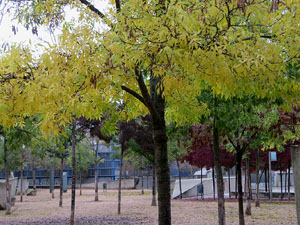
{"points": [[289, 182], [8, 199], [33, 179], [201, 176], [281, 188], [80, 185], [179, 178], [214, 185], [257, 203], [270, 177], [295, 156], [143, 185], [266, 180], [162, 169], [285, 181], [153, 203], [220, 183], [21, 184], [96, 171], [53, 185], [72, 218], [229, 188], [155, 102], [239, 156], [120, 179], [61, 182], [248, 188], [96, 182]]}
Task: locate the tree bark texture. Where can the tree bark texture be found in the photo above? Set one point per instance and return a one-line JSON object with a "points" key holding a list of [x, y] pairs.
{"points": [[61, 182], [120, 179], [220, 183], [239, 156], [96, 183], [72, 218]]}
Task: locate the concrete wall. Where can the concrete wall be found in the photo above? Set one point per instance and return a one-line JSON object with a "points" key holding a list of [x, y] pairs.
{"points": [[125, 184], [13, 187], [190, 185], [25, 185]]}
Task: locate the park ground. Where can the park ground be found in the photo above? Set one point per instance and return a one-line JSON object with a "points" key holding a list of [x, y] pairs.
{"points": [[136, 209]]}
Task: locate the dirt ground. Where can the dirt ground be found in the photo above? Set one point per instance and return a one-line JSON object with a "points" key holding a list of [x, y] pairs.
{"points": [[136, 209]]}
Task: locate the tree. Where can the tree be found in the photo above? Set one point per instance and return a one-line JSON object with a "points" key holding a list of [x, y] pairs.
{"points": [[215, 42]]}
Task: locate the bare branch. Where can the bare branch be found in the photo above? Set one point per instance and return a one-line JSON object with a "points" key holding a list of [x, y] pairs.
{"points": [[92, 8]]}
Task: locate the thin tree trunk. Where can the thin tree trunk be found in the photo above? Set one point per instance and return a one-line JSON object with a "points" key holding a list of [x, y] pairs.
{"points": [[257, 203], [214, 185], [229, 188], [33, 179], [52, 178], [143, 185], [96, 183], [220, 183], [120, 179], [281, 188], [96, 171], [153, 203], [7, 184], [289, 182], [266, 180], [21, 184], [80, 185], [248, 188], [285, 181], [61, 182], [179, 178], [147, 177], [72, 218], [239, 156], [201, 175]]}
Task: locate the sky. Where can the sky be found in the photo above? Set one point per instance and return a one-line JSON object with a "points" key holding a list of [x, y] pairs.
{"points": [[25, 36]]}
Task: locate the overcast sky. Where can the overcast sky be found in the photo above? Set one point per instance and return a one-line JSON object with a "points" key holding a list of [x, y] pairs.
{"points": [[23, 36]]}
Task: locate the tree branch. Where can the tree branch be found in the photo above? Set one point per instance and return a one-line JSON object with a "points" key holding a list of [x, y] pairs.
{"points": [[92, 8], [145, 93], [134, 94]]}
